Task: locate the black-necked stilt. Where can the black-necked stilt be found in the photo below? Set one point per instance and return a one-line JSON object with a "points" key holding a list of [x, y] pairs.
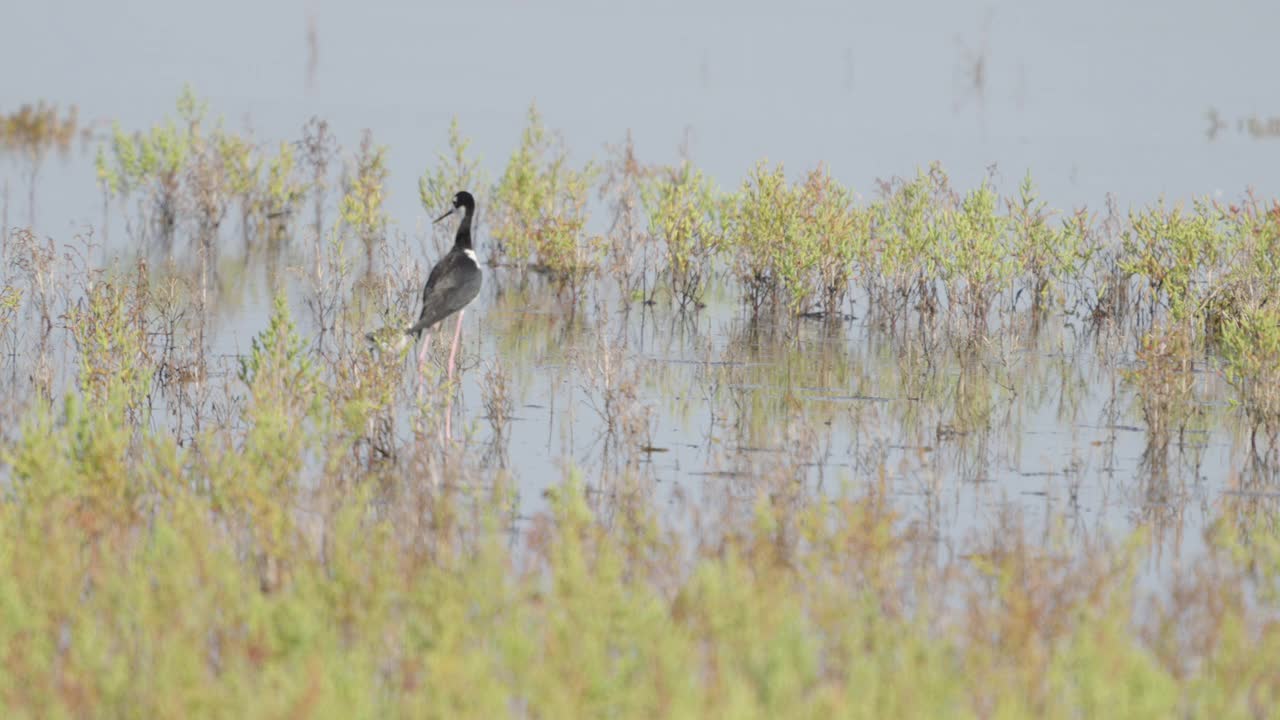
{"points": [[453, 283]]}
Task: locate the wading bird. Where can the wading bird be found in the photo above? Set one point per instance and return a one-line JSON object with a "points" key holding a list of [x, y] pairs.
{"points": [[453, 283]]}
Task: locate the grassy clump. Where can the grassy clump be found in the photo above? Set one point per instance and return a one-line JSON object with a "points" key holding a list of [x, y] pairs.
{"points": [[975, 256], [1165, 381], [283, 192], [683, 209], [151, 164], [837, 233], [1046, 257], [900, 260], [762, 231], [794, 246], [1173, 251], [182, 170], [450, 173], [540, 209], [364, 194], [33, 131], [1251, 352], [110, 333]]}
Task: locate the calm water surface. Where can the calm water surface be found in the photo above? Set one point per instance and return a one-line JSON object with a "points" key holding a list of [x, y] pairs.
{"points": [[1138, 101]]}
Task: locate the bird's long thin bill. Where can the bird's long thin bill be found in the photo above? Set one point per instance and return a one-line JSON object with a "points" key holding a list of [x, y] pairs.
{"points": [[443, 216]]}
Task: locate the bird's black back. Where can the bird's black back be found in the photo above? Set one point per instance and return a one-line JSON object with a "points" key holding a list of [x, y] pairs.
{"points": [[453, 283]]}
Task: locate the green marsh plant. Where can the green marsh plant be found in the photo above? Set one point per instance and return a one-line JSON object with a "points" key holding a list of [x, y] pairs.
{"points": [[1176, 253], [364, 195], [540, 210], [762, 226], [33, 131], [281, 195], [241, 169], [453, 171], [908, 222], [1048, 254], [1251, 352], [190, 169], [796, 247], [151, 165], [1250, 269], [835, 233], [683, 210], [110, 330], [975, 257], [1165, 381]]}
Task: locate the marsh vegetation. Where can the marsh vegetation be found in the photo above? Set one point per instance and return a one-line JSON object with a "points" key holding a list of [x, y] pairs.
{"points": [[771, 447]]}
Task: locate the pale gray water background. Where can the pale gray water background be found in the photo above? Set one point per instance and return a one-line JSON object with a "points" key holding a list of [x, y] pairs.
{"points": [[1093, 98]]}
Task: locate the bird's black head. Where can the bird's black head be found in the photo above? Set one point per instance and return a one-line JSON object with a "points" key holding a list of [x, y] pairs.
{"points": [[461, 200]]}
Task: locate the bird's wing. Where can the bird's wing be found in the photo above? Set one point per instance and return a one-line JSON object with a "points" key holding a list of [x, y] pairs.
{"points": [[435, 305], [434, 276]]}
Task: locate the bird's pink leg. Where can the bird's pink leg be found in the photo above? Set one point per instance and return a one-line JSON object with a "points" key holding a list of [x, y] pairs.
{"points": [[453, 350], [422, 365]]}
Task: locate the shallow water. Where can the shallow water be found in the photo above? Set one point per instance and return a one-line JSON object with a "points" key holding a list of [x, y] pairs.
{"points": [[1041, 423]]}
